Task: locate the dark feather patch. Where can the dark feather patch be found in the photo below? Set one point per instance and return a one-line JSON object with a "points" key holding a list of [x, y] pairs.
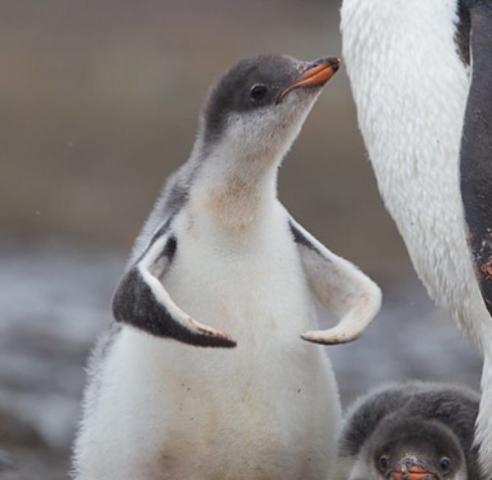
{"points": [[135, 304], [301, 239], [170, 248], [462, 36], [232, 94], [476, 148]]}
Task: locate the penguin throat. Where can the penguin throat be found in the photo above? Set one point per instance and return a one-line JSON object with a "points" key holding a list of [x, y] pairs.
{"points": [[238, 198]]}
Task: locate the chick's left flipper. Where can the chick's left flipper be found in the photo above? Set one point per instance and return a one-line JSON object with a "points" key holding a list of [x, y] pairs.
{"points": [[339, 286]]}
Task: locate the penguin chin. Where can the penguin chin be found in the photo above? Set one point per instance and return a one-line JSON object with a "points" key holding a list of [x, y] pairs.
{"points": [[403, 472], [270, 132], [421, 466], [423, 475]]}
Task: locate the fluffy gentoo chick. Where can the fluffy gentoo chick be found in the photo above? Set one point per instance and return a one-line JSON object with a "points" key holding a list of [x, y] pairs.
{"points": [[220, 249]]}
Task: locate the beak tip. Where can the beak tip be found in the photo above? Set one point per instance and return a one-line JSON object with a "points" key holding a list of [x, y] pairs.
{"points": [[412, 473], [335, 63], [316, 75]]}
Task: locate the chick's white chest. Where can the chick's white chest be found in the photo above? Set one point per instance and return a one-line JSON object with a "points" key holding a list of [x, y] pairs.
{"points": [[267, 409], [254, 277]]}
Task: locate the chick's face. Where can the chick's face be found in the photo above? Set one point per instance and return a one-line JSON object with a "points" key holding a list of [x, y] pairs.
{"points": [[416, 450], [417, 458], [411, 449], [263, 102]]}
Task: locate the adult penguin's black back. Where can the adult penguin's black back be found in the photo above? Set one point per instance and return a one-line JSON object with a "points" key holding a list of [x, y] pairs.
{"points": [[476, 148]]}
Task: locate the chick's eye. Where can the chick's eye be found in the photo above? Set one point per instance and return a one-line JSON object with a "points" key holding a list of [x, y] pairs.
{"points": [[445, 464], [258, 92], [383, 462]]}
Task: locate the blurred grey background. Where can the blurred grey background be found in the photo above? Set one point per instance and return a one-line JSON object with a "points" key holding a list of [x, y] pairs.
{"points": [[98, 104]]}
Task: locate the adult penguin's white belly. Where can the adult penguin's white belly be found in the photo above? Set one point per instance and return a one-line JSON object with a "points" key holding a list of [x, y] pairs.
{"points": [[411, 83], [410, 87]]}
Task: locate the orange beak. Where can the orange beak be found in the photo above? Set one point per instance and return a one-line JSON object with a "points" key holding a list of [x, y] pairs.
{"points": [[315, 76], [413, 473]]}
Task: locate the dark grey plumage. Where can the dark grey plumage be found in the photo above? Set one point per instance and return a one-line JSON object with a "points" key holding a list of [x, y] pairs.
{"points": [[420, 406], [273, 72], [476, 146], [251, 84], [463, 32]]}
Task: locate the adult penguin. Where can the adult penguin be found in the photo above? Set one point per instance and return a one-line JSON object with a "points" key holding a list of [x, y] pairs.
{"points": [[421, 75]]}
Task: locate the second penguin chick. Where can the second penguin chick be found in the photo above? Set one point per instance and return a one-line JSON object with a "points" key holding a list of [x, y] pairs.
{"points": [[413, 431]]}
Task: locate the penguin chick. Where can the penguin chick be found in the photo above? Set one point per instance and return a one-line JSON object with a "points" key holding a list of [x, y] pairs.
{"points": [[413, 431], [220, 248], [250, 121]]}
